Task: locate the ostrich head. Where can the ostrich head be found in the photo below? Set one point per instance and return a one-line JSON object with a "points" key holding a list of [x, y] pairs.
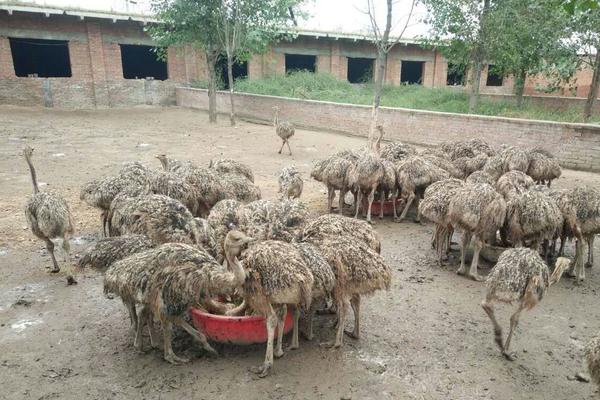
{"points": [[163, 160], [560, 266], [28, 152], [235, 242]]}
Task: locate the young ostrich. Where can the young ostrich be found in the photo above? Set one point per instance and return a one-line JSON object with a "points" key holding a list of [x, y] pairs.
{"points": [[229, 166], [290, 183], [532, 217], [277, 276], [358, 270], [592, 357], [469, 165], [191, 277], [284, 129], [520, 275], [481, 177], [414, 175], [396, 152], [335, 176], [223, 217], [435, 206], [478, 211], [107, 251], [331, 226], [49, 216], [515, 159], [388, 186], [366, 174], [543, 167], [174, 186], [513, 183], [172, 165], [238, 187]]}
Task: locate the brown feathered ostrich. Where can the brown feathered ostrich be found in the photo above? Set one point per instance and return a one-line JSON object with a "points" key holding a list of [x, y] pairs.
{"points": [[106, 251], [331, 225], [435, 207], [414, 175], [513, 183], [284, 129], [192, 277], [172, 165], [365, 175], [223, 217], [358, 270], [592, 358], [543, 167], [388, 186], [48, 215], [520, 275], [333, 173], [290, 183], [277, 276], [229, 166], [478, 211]]}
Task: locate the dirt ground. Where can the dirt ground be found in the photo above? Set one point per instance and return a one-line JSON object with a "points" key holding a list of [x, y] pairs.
{"points": [[427, 338]]}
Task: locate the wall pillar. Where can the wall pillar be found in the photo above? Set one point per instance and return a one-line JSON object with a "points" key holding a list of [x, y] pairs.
{"points": [[7, 69], [96, 53]]}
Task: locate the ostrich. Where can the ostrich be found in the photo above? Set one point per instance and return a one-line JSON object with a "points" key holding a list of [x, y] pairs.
{"points": [[284, 129], [396, 152], [481, 177], [532, 217], [223, 217], [469, 165], [520, 275], [238, 187], [443, 163], [107, 251], [331, 226], [513, 183], [494, 166], [159, 217], [514, 158], [358, 270], [543, 167], [414, 175], [277, 276], [468, 148], [365, 175], [478, 211], [335, 176], [434, 207], [229, 166], [172, 165], [273, 219], [388, 186], [174, 186], [49, 216], [190, 277], [210, 186], [592, 357], [290, 183]]}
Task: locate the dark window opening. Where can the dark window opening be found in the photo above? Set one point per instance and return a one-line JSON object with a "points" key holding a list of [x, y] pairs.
{"points": [[40, 58], [412, 72], [456, 75], [239, 70], [360, 70], [140, 62], [494, 77], [300, 62]]}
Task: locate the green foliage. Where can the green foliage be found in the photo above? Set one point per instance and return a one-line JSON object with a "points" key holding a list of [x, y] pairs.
{"points": [[326, 87], [573, 6]]}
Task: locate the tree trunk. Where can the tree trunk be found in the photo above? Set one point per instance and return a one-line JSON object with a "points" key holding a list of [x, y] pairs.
{"points": [[520, 87], [211, 60], [475, 82], [231, 96], [381, 61], [593, 94]]}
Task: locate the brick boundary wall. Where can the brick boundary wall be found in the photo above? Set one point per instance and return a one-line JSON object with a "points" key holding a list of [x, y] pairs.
{"points": [[554, 102], [576, 145]]}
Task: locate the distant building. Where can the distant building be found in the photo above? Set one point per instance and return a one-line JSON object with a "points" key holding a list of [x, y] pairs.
{"points": [[73, 58]]}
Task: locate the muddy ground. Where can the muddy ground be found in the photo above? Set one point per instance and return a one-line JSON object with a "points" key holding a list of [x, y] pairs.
{"points": [[427, 338]]}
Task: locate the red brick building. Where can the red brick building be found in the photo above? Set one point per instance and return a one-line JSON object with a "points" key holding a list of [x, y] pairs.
{"points": [[82, 59]]}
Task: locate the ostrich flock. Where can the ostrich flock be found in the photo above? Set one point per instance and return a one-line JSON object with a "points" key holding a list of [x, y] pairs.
{"points": [[186, 235]]}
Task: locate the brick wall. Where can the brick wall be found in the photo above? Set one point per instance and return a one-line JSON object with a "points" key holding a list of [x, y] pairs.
{"points": [[97, 74], [576, 145]]}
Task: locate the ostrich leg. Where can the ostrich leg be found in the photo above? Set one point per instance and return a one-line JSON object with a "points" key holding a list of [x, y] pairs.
{"points": [[132, 315], [138, 342], [465, 240], [590, 260], [169, 355], [341, 201], [355, 303], [478, 244], [579, 269], [288, 146], [411, 197], [281, 312], [514, 321], [296, 315], [341, 312], [195, 334], [330, 196], [489, 310], [264, 370], [282, 144], [381, 200], [370, 198], [50, 248], [358, 203]]}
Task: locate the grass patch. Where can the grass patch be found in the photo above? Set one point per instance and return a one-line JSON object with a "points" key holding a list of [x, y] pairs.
{"points": [[325, 87]]}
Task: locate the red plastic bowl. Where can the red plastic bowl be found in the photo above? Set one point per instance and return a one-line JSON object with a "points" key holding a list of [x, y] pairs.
{"points": [[388, 207], [235, 330]]}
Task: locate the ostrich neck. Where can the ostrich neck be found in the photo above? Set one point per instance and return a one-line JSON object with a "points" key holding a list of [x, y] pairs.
{"points": [[235, 266], [555, 277], [165, 163], [378, 142], [33, 175], [276, 119]]}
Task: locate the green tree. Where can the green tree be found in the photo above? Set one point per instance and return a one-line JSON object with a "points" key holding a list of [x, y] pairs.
{"points": [[527, 38], [247, 27], [459, 28], [195, 23]]}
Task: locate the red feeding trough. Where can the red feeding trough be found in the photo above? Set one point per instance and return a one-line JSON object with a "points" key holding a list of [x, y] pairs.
{"points": [[235, 330], [388, 207]]}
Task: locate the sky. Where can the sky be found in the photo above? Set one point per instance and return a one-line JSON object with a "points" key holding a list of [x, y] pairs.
{"points": [[330, 15]]}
